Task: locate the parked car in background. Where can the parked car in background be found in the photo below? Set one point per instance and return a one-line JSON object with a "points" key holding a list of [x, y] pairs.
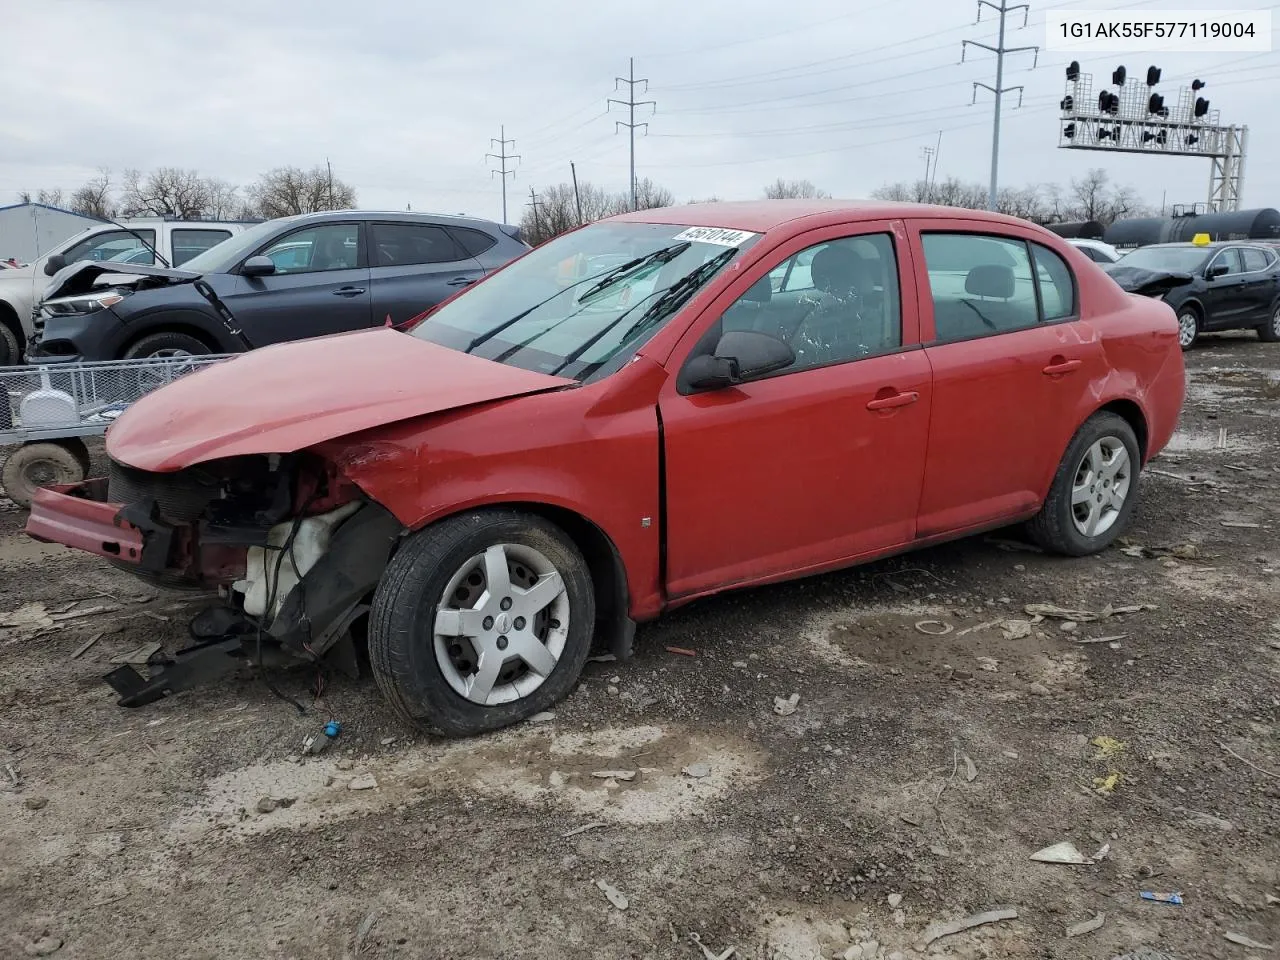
{"points": [[1233, 285], [134, 241], [1096, 250], [551, 456], [286, 279]]}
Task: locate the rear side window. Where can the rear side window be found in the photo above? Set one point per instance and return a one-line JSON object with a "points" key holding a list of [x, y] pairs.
{"points": [[406, 244], [1056, 282], [980, 285], [474, 242], [1255, 260], [190, 243]]}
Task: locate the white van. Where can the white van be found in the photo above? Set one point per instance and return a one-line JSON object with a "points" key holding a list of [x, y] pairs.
{"points": [[126, 241]]}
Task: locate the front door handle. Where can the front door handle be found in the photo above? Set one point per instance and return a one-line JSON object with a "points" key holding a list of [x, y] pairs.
{"points": [[460, 281], [1060, 366], [348, 291], [893, 401]]}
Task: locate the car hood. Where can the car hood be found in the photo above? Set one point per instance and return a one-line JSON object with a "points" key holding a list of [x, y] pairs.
{"points": [[81, 277], [1146, 283], [292, 396]]}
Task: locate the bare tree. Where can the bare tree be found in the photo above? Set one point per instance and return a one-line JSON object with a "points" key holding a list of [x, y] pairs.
{"points": [[287, 191], [94, 198], [165, 192], [52, 197], [556, 208], [650, 196], [794, 190], [24, 196], [224, 201], [917, 192]]}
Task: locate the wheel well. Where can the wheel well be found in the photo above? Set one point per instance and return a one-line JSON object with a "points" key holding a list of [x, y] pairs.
{"points": [[9, 317], [1131, 413], [183, 328], [1194, 307]]}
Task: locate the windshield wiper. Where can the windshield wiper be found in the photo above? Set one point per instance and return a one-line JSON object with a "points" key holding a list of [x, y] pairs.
{"points": [[664, 255], [668, 299], [602, 277]]}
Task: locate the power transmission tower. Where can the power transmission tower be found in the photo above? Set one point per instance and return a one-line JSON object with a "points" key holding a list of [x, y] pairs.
{"points": [[502, 157], [999, 90], [631, 103]]}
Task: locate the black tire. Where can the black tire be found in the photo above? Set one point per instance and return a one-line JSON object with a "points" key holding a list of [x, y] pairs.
{"points": [[1269, 332], [10, 348], [166, 343], [34, 465], [1054, 528], [1195, 318], [402, 621], [78, 449]]}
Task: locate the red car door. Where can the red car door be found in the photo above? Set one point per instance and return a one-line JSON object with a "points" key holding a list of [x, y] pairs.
{"points": [[1012, 367], [817, 463]]}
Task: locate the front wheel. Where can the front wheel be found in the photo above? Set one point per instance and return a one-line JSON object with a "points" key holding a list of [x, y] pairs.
{"points": [[1269, 332], [1188, 328], [1094, 491], [481, 621], [163, 346], [10, 351], [41, 464]]}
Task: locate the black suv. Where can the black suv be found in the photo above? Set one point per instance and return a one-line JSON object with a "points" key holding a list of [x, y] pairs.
{"points": [[286, 279], [1232, 285]]}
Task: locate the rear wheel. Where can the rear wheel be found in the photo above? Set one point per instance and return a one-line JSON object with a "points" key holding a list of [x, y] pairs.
{"points": [[481, 621], [1094, 491], [157, 346], [1188, 327], [1269, 332], [35, 465]]}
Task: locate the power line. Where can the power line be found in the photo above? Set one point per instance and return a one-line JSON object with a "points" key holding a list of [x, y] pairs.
{"points": [[631, 103], [999, 90], [502, 157]]}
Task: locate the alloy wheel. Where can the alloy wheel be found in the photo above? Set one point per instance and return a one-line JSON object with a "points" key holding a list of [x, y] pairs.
{"points": [[1187, 327]]}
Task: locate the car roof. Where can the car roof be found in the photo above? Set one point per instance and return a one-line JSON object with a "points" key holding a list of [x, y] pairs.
{"points": [[408, 216], [760, 216], [1212, 245]]}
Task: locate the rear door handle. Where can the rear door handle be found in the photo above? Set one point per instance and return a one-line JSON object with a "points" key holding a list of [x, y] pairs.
{"points": [[1059, 367], [890, 402], [460, 281], [348, 291]]}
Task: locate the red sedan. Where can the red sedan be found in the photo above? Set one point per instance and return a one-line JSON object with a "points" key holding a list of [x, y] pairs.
{"points": [[650, 409]]}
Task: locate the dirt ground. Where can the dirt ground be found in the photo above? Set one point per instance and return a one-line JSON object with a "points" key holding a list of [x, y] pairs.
{"points": [[910, 786]]}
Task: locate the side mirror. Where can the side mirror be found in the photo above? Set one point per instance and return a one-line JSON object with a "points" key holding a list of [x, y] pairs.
{"points": [[1216, 271], [54, 264], [740, 355], [258, 267]]}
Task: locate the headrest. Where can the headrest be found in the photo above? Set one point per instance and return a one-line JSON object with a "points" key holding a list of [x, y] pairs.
{"points": [[990, 280], [837, 260]]}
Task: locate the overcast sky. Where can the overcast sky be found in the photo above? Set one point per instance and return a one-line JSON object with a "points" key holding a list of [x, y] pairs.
{"points": [[404, 97]]}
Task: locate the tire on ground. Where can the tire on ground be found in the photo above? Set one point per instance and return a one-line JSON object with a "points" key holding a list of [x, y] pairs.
{"points": [[165, 342], [1053, 528], [1269, 332], [10, 349], [1195, 315], [402, 621], [34, 465]]}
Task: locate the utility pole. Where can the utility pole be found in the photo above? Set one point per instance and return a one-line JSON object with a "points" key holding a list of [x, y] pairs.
{"points": [[999, 90], [927, 153], [631, 103], [329, 167], [577, 199], [502, 157], [934, 180], [535, 203]]}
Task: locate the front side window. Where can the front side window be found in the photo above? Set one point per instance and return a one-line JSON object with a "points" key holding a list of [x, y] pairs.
{"points": [[980, 285], [833, 302], [405, 244], [1230, 258], [580, 306], [115, 245], [191, 243], [333, 246]]}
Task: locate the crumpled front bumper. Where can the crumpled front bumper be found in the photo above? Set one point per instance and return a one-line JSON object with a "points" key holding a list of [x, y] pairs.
{"points": [[79, 516]]}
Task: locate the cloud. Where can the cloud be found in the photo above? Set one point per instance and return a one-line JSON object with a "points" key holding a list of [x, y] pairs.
{"points": [[403, 98]]}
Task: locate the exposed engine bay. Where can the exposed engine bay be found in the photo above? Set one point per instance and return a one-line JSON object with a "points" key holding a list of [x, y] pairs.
{"points": [[293, 549]]}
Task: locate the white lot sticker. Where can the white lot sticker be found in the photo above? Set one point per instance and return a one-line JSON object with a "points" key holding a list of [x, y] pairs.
{"points": [[716, 235]]}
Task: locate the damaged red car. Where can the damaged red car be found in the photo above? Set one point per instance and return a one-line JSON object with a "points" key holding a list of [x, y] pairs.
{"points": [[644, 411]]}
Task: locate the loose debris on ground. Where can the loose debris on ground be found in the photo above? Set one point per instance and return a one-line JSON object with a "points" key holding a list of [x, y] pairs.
{"points": [[854, 766]]}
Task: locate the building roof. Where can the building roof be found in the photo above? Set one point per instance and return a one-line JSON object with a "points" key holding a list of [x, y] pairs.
{"points": [[46, 206]]}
